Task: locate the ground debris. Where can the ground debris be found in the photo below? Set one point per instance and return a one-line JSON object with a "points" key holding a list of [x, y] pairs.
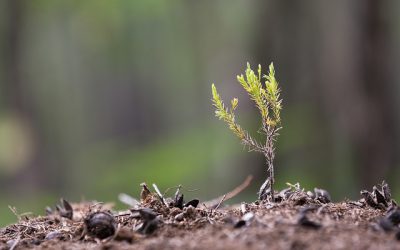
{"points": [[245, 220], [379, 198], [394, 216], [126, 234], [54, 235], [194, 203], [294, 193], [217, 201], [149, 221], [145, 194], [128, 200], [322, 195], [152, 224], [100, 225], [390, 222], [304, 221], [37, 230], [178, 202], [385, 224], [65, 209]]}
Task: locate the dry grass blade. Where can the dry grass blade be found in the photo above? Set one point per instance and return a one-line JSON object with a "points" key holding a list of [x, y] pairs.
{"points": [[220, 202], [15, 243], [160, 195], [217, 201]]}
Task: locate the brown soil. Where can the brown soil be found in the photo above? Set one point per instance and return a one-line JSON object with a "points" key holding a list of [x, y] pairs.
{"points": [[299, 221]]}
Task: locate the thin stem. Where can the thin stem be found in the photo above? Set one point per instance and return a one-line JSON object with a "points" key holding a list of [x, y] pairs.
{"points": [[269, 152]]}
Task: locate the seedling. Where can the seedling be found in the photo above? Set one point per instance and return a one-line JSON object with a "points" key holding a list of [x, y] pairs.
{"points": [[269, 104]]}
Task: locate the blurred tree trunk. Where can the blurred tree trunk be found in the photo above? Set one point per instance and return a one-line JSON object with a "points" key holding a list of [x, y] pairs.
{"points": [[376, 147], [351, 82], [283, 36], [355, 83], [355, 86], [11, 51], [17, 99]]}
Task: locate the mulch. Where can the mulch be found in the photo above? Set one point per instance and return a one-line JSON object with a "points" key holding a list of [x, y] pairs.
{"points": [[295, 219]]}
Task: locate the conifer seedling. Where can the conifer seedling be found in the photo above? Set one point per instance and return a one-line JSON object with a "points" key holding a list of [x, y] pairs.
{"points": [[265, 93]]}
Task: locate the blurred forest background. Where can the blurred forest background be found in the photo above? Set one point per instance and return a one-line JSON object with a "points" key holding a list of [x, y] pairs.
{"points": [[99, 96]]}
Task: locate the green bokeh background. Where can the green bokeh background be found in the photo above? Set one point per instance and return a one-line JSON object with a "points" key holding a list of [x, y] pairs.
{"points": [[97, 97]]}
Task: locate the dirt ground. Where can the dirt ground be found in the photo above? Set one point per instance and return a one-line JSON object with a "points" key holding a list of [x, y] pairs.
{"points": [[294, 220]]}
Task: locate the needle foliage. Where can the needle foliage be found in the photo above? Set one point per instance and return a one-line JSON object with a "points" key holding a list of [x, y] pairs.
{"points": [[265, 92]]}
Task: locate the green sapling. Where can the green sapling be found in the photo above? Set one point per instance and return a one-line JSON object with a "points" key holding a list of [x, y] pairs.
{"points": [[267, 99]]}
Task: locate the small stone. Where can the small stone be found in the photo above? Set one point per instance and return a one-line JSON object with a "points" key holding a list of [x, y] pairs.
{"points": [[100, 225], [190, 212], [245, 220], [54, 235], [311, 194], [179, 217], [248, 217]]}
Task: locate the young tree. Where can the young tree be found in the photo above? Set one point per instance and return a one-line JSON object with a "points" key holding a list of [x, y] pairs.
{"points": [[268, 102]]}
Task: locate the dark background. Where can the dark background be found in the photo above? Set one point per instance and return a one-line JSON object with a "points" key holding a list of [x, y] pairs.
{"points": [[99, 96]]}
